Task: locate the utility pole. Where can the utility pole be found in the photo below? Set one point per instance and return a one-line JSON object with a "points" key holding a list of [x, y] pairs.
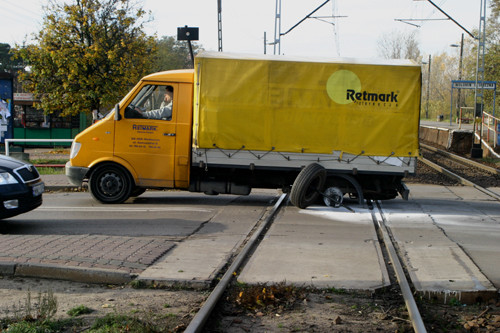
{"points": [[460, 66], [459, 104], [219, 20], [265, 43], [277, 27], [428, 89], [477, 150]]}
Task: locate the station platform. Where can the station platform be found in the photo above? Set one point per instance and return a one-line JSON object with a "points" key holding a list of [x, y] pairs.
{"points": [[446, 124], [457, 138]]}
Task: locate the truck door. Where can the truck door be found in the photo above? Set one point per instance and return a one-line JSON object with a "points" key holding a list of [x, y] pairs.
{"points": [[145, 136]]}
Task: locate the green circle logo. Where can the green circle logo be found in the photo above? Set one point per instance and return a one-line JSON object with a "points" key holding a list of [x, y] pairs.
{"points": [[339, 82]]}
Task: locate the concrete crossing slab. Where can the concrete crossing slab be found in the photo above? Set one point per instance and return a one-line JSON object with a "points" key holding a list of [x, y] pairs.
{"points": [[198, 259], [433, 232], [320, 247]]}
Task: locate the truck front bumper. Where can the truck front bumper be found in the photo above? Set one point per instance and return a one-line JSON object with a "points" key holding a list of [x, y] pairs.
{"points": [[76, 174]]}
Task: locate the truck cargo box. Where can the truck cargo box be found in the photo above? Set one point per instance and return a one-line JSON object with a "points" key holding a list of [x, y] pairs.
{"points": [[266, 103]]}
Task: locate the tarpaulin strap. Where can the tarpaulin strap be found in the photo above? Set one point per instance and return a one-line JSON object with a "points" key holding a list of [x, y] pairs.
{"points": [[355, 157], [229, 155], [379, 162], [260, 156], [284, 156], [403, 161]]}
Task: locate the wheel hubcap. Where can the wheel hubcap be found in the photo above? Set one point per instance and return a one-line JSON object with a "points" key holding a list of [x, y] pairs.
{"points": [[111, 184], [333, 197]]}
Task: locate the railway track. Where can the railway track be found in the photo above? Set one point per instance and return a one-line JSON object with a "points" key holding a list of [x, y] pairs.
{"points": [[462, 170], [391, 258], [205, 311], [459, 169]]}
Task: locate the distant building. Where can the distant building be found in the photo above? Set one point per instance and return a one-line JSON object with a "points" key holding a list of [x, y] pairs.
{"points": [[30, 123]]}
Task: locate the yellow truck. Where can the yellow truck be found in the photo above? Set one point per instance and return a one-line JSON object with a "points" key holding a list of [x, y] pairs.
{"points": [[336, 128]]}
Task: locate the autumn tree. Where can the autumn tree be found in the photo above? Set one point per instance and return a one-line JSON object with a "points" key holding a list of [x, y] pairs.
{"points": [[492, 56], [87, 55], [4, 57]]}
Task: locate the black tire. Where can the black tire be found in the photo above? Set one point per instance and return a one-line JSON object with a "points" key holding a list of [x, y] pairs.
{"points": [[307, 185], [110, 184]]}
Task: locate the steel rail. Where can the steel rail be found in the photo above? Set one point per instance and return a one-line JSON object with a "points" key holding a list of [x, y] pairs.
{"points": [[411, 305], [461, 159], [460, 179], [199, 320]]}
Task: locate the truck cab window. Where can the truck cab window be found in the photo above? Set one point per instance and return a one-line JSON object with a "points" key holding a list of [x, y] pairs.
{"points": [[152, 102]]}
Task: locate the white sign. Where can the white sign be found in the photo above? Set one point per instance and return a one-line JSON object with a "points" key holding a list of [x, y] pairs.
{"points": [[489, 85], [23, 97]]}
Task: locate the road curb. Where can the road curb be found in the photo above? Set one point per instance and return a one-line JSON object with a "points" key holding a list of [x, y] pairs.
{"points": [[7, 268], [75, 274]]}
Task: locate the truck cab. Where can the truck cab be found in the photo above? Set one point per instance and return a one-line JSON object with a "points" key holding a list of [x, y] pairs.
{"points": [[134, 148]]}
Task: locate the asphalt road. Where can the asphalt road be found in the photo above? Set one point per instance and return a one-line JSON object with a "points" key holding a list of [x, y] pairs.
{"points": [[176, 215]]}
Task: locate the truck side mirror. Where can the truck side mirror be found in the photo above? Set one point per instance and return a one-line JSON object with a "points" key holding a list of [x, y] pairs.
{"points": [[117, 112]]}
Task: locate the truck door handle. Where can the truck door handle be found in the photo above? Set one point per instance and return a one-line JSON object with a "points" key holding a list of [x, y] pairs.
{"points": [[169, 134]]}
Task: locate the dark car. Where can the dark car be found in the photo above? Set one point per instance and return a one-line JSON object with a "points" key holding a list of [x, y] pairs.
{"points": [[21, 187]]}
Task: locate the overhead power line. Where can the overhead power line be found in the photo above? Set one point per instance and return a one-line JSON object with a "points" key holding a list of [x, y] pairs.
{"points": [[408, 21]]}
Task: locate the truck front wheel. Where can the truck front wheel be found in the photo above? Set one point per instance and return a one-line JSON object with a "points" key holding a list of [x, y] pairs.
{"points": [[307, 186], [110, 184]]}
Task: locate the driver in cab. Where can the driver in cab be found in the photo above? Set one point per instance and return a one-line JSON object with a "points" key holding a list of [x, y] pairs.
{"points": [[165, 110]]}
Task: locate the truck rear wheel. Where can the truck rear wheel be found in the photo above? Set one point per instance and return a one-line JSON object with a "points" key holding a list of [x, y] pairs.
{"points": [[307, 186], [110, 184]]}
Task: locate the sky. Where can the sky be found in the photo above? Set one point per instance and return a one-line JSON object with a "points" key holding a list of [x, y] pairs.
{"points": [[355, 32]]}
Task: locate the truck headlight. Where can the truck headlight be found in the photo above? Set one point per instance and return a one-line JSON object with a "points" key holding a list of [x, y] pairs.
{"points": [[75, 148], [7, 178]]}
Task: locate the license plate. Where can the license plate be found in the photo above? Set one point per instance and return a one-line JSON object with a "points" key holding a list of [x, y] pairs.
{"points": [[38, 189]]}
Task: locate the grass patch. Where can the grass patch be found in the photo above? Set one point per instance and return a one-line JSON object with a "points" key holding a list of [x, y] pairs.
{"points": [[491, 160], [46, 326], [50, 171], [138, 284], [79, 310], [336, 291], [48, 161], [37, 315], [44, 307], [112, 323]]}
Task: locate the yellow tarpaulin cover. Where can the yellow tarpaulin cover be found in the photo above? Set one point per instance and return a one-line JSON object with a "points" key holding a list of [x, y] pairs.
{"points": [[297, 105]]}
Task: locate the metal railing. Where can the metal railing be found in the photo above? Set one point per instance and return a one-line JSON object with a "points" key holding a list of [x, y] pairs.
{"points": [[8, 141], [491, 125]]}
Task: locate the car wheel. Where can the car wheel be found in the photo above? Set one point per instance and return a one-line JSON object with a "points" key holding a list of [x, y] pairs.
{"points": [[110, 184]]}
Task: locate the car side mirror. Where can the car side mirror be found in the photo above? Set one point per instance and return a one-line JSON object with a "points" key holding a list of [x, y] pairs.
{"points": [[117, 112]]}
